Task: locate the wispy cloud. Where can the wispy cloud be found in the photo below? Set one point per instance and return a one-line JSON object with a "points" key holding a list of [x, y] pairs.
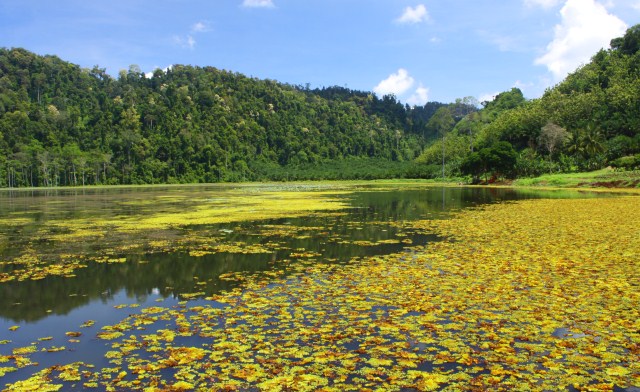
{"points": [[504, 43], [397, 83], [585, 27], [258, 4], [200, 27], [187, 42], [523, 85], [546, 4], [414, 15]]}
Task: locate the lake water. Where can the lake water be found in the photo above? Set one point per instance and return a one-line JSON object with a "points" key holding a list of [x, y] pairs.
{"points": [[155, 266]]}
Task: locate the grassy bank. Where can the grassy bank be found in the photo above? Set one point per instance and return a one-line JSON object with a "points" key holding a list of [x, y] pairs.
{"points": [[605, 178]]}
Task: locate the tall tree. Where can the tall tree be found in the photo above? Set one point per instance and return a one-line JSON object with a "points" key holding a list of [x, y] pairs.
{"points": [[552, 137], [443, 122]]}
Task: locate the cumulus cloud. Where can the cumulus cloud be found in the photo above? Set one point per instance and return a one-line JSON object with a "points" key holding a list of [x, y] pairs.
{"points": [[414, 15], [258, 3], [585, 28], [397, 83], [419, 97]]}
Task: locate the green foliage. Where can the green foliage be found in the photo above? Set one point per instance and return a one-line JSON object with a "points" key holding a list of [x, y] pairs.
{"points": [[621, 145], [553, 137], [497, 160], [630, 43], [63, 125], [605, 177], [627, 163], [585, 122], [347, 169], [505, 101]]}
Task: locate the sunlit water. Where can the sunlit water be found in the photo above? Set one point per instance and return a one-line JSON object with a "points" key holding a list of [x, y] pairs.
{"points": [[55, 305]]}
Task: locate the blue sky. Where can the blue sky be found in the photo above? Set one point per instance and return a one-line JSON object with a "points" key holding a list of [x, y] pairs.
{"points": [[418, 50]]}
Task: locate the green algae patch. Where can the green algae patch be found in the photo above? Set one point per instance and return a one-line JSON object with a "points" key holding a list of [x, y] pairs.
{"points": [[150, 222], [235, 207]]}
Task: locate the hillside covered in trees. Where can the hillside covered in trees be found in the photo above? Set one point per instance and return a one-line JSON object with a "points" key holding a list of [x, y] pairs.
{"points": [[588, 121], [64, 125]]}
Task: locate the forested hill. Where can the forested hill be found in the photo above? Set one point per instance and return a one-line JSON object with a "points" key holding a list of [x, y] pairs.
{"points": [[64, 125], [588, 121]]}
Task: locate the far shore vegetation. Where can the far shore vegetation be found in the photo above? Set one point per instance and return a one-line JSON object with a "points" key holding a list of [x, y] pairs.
{"points": [[62, 125]]}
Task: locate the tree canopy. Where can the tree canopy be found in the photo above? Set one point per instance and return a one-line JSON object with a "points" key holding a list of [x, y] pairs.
{"points": [[589, 120], [64, 125]]}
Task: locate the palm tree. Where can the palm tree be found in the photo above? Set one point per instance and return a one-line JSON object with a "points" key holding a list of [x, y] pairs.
{"points": [[587, 143]]}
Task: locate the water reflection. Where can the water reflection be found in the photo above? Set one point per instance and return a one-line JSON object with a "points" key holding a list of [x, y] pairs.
{"points": [[334, 238]]}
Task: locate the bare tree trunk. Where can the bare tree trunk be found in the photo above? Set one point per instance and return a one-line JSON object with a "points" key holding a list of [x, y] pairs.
{"points": [[443, 157]]}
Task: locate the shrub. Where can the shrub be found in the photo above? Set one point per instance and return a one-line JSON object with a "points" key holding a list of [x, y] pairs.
{"points": [[631, 162]]}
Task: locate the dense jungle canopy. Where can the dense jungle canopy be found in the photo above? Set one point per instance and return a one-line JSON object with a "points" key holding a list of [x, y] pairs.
{"points": [[61, 124]]}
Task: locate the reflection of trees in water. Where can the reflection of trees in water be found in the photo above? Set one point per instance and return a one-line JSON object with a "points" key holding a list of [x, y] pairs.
{"points": [[173, 273], [168, 274]]}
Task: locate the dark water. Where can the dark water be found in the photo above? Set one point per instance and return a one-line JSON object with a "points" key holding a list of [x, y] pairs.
{"points": [[54, 305]]}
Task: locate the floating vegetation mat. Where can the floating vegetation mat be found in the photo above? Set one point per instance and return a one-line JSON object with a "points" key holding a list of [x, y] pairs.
{"points": [[538, 295], [150, 227]]}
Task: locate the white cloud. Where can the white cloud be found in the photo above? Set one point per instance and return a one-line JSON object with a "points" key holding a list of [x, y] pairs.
{"points": [[396, 83], [187, 42], [503, 42], [522, 85], [419, 97], [546, 4], [487, 97], [585, 28], [149, 75], [200, 27], [258, 3], [414, 15]]}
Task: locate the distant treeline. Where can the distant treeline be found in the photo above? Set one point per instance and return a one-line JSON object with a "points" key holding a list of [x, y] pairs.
{"points": [[64, 125], [588, 121]]}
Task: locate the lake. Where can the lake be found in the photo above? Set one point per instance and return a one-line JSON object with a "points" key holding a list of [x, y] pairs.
{"points": [[76, 262]]}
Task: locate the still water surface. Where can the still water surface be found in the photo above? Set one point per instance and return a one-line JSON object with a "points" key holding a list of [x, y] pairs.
{"points": [[54, 305]]}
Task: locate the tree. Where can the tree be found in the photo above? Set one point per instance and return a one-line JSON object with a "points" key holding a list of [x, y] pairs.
{"points": [[464, 106], [630, 43], [588, 144], [443, 122], [497, 160], [473, 165], [552, 137]]}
